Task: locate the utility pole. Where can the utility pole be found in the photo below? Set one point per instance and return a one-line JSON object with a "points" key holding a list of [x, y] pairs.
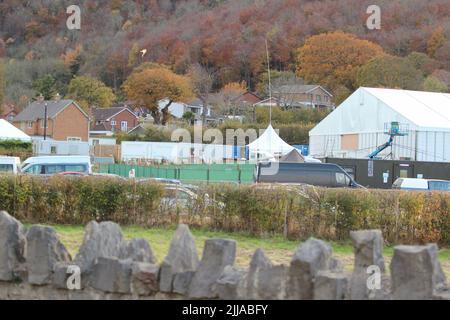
{"points": [[45, 121], [270, 84]]}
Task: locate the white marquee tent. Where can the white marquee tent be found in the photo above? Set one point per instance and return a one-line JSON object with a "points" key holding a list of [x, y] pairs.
{"points": [[10, 132], [269, 144], [357, 127]]}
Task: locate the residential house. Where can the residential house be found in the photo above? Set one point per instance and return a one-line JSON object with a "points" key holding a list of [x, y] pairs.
{"points": [[247, 99], [107, 121], [8, 112], [66, 120], [178, 109], [300, 95]]}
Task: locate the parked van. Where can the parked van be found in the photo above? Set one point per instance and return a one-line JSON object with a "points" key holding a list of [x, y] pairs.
{"points": [[317, 174], [50, 165], [9, 165], [421, 184]]}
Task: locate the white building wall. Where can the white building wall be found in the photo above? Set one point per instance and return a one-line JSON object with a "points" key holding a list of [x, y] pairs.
{"points": [[175, 152], [60, 148], [433, 146]]}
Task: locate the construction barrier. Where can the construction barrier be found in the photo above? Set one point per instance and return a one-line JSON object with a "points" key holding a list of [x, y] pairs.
{"points": [[237, 173]]}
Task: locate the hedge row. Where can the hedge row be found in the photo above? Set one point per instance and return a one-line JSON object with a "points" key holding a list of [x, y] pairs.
{"points": [[295, 212], [16, 148]]}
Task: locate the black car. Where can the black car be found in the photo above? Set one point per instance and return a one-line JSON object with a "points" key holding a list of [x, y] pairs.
{"points": [[317, 174]]}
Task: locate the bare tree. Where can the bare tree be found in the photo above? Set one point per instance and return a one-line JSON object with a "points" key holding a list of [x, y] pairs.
{"points": [[202, 82]]}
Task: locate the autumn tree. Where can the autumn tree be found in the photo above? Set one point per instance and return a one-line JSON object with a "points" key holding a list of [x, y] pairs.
{"points": [[433, 84], [88, 92], [436, 41], [149, 86], [390, 72], [332, 59]]}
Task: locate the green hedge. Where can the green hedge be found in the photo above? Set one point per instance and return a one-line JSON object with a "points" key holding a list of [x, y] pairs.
{"points": [[16, 148], [295, 212]]}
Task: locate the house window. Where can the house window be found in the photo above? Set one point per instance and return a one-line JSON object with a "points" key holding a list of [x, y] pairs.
{"points": [[30, 124], [43, 123], [124, 125], [318, 98], [113, 122], [53, 150]]}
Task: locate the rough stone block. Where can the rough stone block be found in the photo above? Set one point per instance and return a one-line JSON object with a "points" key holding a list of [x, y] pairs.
{"points": [[182, 281], [368, 249], [182, 257], [111, 275], [144, 278], [44, 250], [330, 286], [12, 246], [227, 286], [103, 239], [311, 257], [415, 272], [138, 250], [217, 254], [271, 283]]}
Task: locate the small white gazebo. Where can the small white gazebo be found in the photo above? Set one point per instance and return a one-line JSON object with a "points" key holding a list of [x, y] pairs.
{"points": [[10, 132], [268, 145]]}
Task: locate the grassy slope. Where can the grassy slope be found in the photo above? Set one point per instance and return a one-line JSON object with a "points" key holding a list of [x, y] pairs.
{"points": [[278, 249]]}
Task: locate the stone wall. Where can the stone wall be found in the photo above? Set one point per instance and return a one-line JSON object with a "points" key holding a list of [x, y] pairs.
{"points": [[34, 264]]}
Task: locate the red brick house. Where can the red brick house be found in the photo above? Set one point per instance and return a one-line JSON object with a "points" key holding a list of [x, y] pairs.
{"points": [[114, 119], [66, 120], [8, 112], [247, 98]]}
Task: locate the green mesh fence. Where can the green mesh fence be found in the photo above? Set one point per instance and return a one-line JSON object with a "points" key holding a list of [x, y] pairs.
{"points": [[237, 173]]}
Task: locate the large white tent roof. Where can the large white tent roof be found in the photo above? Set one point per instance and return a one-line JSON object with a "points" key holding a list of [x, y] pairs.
{"points": [[424, 109], [9, 132], [271, 143], [370, 109]]}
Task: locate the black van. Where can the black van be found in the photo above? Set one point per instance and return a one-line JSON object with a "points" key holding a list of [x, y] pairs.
{"points": [[318, 174]]}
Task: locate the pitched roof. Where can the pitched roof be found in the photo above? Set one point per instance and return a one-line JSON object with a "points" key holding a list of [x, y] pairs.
{"points": [[247, 96], [103, 114], [425, 109], [299, 88], [36, 110], [294, 156]]}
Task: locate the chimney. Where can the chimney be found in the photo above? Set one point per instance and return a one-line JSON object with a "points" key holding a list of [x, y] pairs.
{"points": [[40, 98], [57, 97]]}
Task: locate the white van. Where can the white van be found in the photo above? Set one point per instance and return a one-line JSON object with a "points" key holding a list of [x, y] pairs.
{"points": [[50, 165], [421, 184], [9, 165]]}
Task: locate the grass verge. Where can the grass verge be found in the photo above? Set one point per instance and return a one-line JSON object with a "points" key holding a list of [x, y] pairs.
{"points": [[279, 250]]}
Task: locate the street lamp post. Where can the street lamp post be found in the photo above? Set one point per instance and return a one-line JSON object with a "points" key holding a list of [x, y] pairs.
{"points": [[45, 121]]}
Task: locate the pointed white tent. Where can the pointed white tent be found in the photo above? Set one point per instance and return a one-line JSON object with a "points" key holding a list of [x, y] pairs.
{"points": [[9, 132], [269, 144]]}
